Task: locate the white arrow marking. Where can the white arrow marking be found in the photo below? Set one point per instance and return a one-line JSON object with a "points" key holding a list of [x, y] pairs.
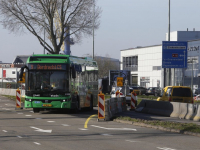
{"points": [[66, 125], [131, 141], [165, 148], [50, 121], [128, 129], [41, 130], [36, 143], [82, 129]]}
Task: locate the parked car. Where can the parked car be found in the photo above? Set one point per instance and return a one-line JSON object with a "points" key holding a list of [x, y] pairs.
{"points": [[142, 90], [156, 91], [136, 90], [177, 94]]}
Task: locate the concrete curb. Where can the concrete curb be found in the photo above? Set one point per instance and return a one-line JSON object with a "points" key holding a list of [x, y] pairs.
{"points": [[156, 127]]}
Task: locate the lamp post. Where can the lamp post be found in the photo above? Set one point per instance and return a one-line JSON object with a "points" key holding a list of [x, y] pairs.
{"points": [[191, 61], [93, 28]]}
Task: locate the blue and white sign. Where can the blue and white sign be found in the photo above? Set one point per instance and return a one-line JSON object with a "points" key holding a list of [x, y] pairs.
{"points": [[174, 54]]}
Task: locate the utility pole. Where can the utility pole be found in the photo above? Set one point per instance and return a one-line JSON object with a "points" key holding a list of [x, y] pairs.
{"points": [[93, 28]]}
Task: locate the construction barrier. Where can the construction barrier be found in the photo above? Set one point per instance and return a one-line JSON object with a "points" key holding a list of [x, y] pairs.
{"points": [[18, 98], [133, 100], [101, 106], [119, 94], [197, 114], [170, 109], [11, 92], [114, 106]]}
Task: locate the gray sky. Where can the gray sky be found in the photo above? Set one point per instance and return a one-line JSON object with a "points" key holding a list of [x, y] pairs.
{"points": [[124, 24]]}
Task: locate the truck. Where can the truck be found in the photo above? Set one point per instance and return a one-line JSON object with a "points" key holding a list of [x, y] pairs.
{"points": [[60, 82]]}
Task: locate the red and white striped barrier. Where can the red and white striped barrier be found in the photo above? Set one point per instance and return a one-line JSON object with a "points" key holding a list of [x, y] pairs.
{"points": [[119, 94], [133, 100], [101, 106], [18, 98]]}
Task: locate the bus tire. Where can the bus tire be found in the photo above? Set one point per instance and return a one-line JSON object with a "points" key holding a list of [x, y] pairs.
{"points": [[36, 110]]}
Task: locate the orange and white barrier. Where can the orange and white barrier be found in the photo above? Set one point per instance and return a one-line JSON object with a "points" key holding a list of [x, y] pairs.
{"points": [[119, 94], [18, 98], [133, 100], [101, 106]]}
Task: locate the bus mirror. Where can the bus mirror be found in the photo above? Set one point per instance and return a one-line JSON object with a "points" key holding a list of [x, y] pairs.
{"points": [[73, 73]]}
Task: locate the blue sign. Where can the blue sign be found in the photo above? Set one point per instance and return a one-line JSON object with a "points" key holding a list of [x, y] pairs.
{"points": [[174, 54]]}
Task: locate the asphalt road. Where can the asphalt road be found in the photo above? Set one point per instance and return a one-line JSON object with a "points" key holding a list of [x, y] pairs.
{"points": [[23, 130]]}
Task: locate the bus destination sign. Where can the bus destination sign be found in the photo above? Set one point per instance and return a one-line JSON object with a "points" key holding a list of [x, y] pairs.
{"points": [[47, 67]]}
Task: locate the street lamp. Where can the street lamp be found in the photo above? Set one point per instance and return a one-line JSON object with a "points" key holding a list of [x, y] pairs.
{"points": [[191, 61], [93, 28]]}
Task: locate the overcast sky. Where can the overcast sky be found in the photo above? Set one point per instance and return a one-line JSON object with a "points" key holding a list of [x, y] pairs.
{"points": [[124, 24]]}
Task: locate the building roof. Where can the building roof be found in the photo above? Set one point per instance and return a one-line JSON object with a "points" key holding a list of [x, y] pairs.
{"points": [[20, 59]]}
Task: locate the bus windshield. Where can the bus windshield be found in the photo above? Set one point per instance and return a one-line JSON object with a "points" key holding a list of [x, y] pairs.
{"points": [[48, 81]]}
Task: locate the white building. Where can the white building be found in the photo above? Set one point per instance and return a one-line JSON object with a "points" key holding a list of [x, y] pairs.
{"points": [[145, 63]]}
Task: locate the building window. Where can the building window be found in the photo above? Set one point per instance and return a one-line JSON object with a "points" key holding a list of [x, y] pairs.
{"points": [[130, 63], [13, 72], [156, 67]]}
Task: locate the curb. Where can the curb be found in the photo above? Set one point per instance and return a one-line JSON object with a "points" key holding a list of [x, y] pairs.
{"points": [[157, 127]]}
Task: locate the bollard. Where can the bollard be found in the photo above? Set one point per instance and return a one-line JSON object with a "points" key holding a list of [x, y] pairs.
{"points": [[101, 106], [18, 99], [133, 100]]}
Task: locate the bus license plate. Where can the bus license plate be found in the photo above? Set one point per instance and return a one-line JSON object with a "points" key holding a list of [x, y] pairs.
{"points": [[47, 105]]}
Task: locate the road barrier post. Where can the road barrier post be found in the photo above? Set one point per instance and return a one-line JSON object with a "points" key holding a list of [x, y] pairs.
{"points": [[101, 106], [18, 99], [133, 100]]}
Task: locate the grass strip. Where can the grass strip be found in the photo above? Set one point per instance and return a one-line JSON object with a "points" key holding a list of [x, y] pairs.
{"points": [[190, 127]]}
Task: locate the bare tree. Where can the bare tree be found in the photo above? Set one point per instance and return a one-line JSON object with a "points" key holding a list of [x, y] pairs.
{"points": [[56, 17], [105, 64]]}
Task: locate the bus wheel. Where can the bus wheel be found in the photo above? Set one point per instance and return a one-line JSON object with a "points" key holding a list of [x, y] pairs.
{"points": [[36, 110]]}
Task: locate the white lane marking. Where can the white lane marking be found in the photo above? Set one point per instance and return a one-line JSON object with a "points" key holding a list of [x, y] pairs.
{"points": [[41, 130], [36, 143], [50, 121], [7, 109], [19, 136], [31, 111], [4, 131], [165, 148], [38, 118], [82, 129], [106, 134], [131, 141], [28, 115], [66, 125], [20, 113], [128, 129]]}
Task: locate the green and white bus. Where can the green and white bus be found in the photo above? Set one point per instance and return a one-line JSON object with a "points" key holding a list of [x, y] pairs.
{"points": [[56, 81]]}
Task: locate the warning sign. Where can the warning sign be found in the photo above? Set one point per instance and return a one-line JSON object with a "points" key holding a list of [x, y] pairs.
{"points": [[119, 81]]}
